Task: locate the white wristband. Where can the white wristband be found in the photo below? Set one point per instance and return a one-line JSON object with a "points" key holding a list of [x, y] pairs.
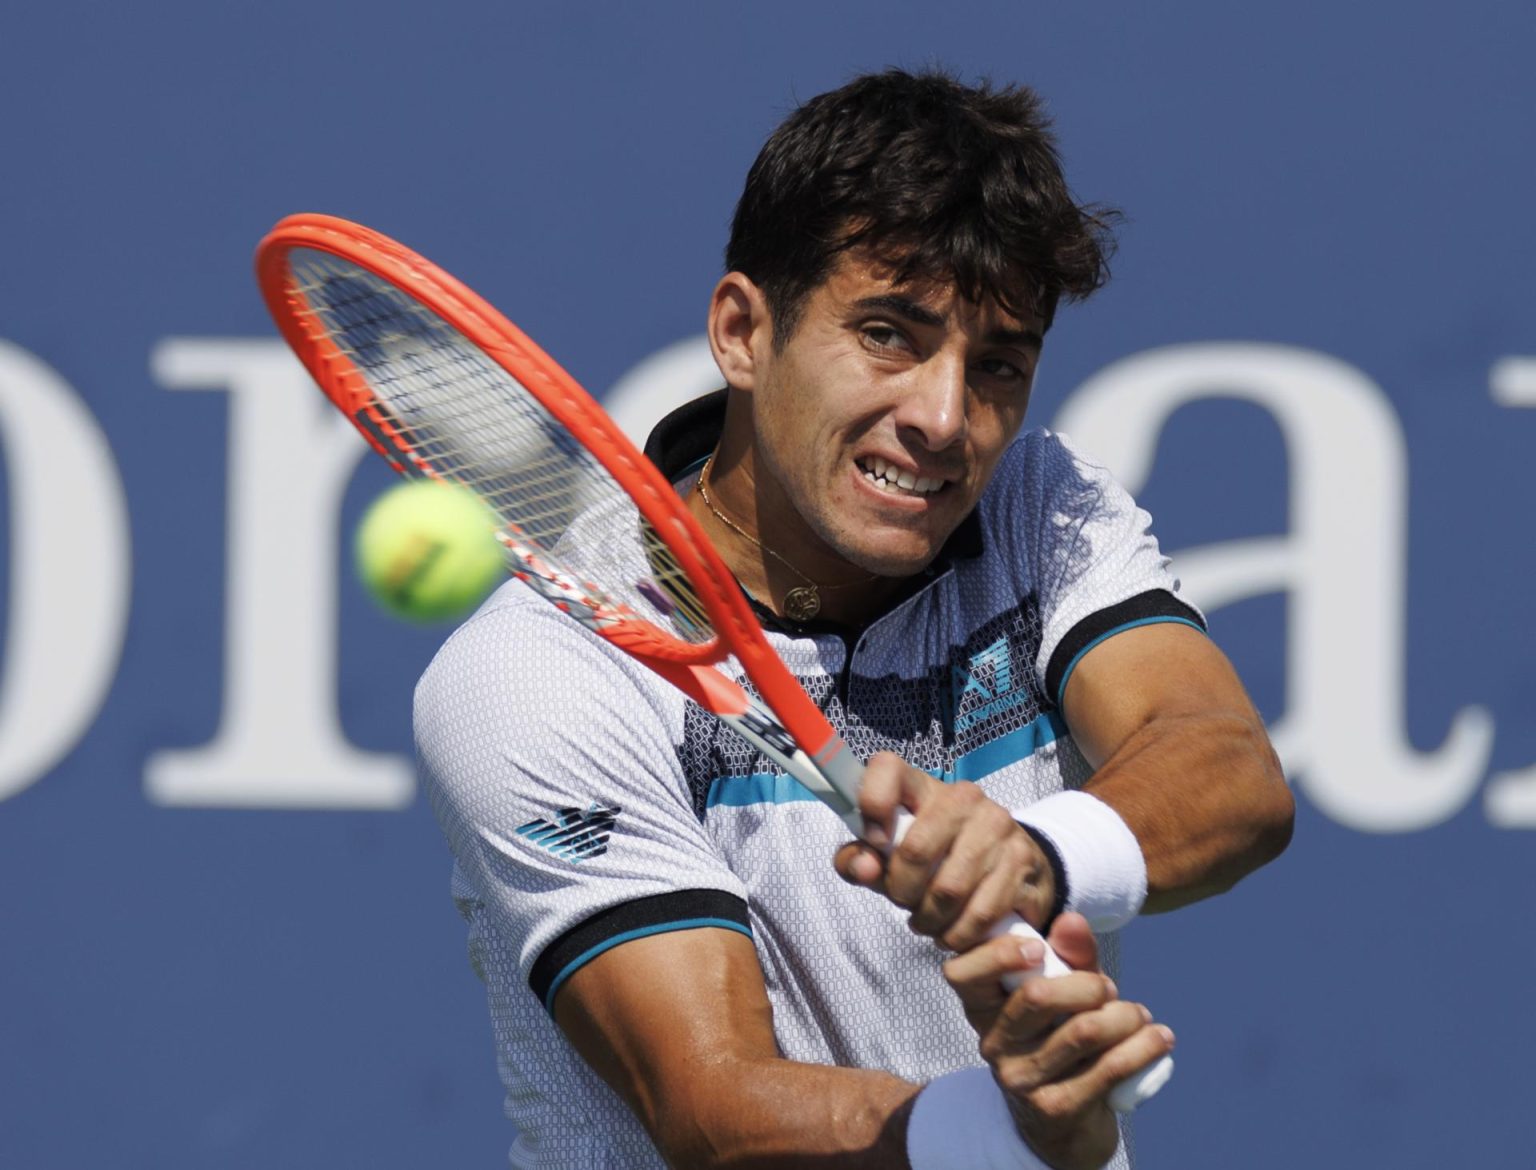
{"points": [[961, 1122], [1106, 873]]}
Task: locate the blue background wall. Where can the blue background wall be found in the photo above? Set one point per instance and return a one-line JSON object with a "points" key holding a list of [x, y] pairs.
{"points": [[192, 986]]}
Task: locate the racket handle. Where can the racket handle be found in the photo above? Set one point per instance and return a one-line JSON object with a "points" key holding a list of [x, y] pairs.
{"points": [[1129, 1093]]}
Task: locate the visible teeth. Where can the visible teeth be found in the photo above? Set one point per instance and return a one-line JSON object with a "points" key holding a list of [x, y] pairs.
{"points": [[888, 477]]}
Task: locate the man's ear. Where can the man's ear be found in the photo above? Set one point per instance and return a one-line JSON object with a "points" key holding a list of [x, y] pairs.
{"points": [[740, 330]]}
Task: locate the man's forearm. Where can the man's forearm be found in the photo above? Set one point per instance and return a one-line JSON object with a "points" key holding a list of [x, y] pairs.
{"points": [[1206, 799], [780, 1114]]}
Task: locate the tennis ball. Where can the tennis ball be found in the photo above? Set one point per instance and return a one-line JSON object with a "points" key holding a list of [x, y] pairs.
{"points": [[427, 550]]}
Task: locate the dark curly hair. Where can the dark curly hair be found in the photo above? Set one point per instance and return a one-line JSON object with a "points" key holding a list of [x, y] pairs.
{"points": [[941, 180]]}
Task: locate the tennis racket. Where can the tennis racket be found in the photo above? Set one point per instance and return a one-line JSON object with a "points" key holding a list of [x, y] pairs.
{"points": [[443, 386]]}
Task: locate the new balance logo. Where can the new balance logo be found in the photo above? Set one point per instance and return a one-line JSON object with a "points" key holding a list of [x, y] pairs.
{"points": [[574, 834]]}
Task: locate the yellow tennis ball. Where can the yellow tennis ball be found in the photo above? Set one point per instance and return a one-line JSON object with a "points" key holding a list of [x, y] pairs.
{"points": [[427, 550]]}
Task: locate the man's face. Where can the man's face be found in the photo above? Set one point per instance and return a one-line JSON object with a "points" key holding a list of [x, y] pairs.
{"points": [[880, 421]]}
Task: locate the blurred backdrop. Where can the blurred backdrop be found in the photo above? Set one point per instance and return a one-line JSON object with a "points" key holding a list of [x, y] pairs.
{"points": [[227, 937]]}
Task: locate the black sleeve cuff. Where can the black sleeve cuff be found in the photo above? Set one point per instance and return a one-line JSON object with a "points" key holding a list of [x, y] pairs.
{"points": [[1155, 605], [679, 910]]}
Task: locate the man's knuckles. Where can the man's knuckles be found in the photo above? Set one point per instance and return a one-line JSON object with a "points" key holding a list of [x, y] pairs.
{"points": [[1090, 1033], [1134, 1055]]}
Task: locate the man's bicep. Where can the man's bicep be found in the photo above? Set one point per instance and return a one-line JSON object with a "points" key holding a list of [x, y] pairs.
{"points": [[1162, 670], [664, 1018]]}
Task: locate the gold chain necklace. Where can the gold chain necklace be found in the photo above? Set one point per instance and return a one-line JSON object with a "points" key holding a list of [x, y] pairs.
{"points": [[801, 603]]}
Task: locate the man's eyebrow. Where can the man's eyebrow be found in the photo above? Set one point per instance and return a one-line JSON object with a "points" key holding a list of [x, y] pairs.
{"points": [[901, 307], [918, 314], [1028, 338]]}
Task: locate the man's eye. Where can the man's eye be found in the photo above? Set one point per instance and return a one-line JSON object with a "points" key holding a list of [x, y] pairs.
{"points": [[1001, 368], [884, 337]]}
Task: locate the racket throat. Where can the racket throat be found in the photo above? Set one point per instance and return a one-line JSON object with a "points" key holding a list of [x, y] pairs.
{"points": [[731, 705]]}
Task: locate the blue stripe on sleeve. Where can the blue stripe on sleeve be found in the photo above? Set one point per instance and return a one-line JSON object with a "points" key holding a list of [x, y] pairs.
{"points": [[1146, 621], [591, 953]]}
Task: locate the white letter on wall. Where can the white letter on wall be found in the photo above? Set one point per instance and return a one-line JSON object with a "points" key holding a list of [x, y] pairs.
{"points": [[279, 743], [69, 569], [1342, 567], [1510, 799]]}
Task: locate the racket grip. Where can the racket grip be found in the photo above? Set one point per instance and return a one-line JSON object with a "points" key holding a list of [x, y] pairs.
{"points": [[1128, 1094]]}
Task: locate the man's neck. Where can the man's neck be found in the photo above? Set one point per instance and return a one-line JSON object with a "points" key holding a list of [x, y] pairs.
{"points": [[771, 578]]}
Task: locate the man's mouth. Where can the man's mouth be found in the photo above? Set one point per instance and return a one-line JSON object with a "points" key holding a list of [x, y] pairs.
{"points": [[889, 478]]}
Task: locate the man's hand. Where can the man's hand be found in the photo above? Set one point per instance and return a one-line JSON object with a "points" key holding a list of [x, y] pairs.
{"points": [[963, 865], [1057, 1046]]}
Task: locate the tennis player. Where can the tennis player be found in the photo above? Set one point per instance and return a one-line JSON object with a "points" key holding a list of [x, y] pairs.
{"points": [[685, 961]]}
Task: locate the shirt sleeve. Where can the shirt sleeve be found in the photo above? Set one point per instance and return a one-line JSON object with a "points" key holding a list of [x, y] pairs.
{"points": [[1092, 562], [550, 761]]}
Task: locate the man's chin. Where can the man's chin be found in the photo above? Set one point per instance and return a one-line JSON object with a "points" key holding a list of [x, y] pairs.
{"points": [[902, 548], [895, 559]]}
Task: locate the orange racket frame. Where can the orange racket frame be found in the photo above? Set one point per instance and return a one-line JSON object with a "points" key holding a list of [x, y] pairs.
{"points": [[686, 665]]}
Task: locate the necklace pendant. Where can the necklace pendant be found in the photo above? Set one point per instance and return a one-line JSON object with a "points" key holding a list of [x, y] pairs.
{"points": [[802, 603]]}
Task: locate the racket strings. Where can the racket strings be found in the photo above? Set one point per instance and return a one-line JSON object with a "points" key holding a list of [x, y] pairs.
{"points": [[461, 414]]}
